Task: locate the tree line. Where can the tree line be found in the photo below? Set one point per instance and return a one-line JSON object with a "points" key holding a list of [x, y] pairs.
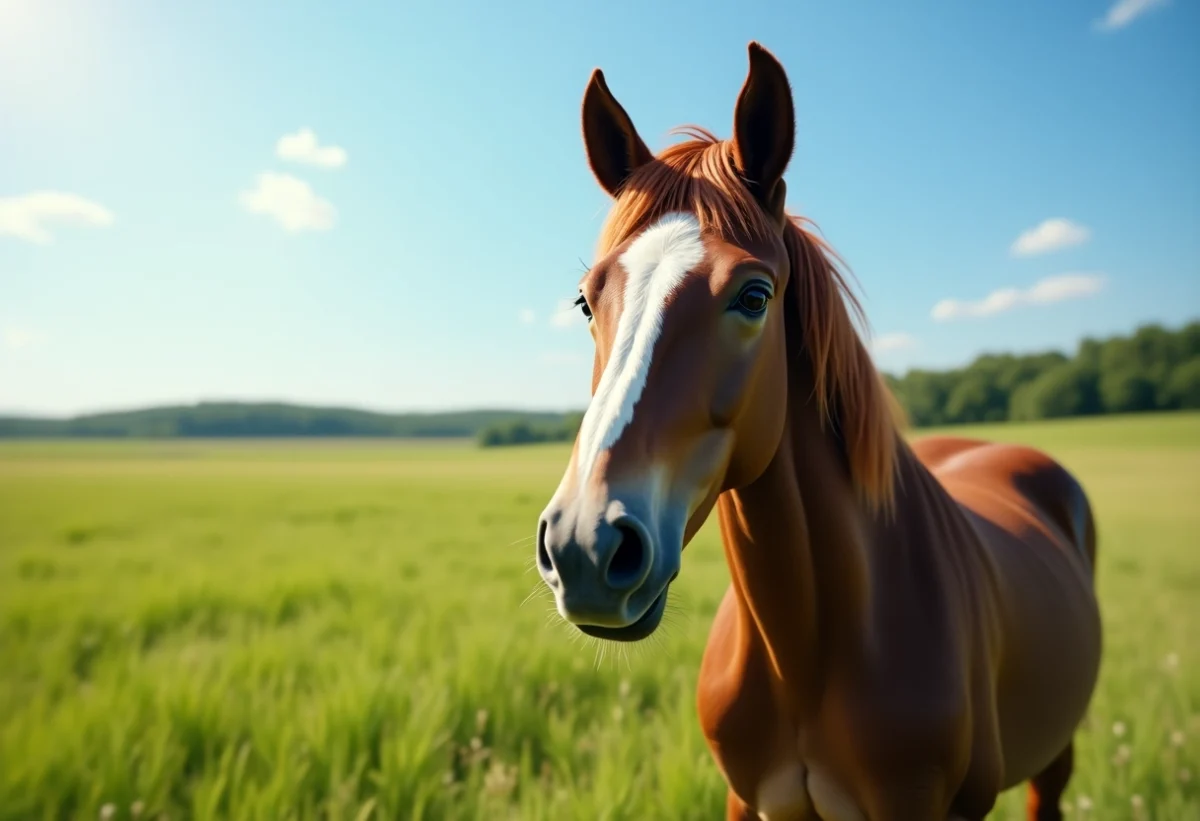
{"points": [[266, 420], [1154, 368], [525, 432]]}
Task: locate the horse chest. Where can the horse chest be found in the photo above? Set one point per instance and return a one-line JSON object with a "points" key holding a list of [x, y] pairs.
{"points": [[776, 772], [783, 794], [796, 792], [764, 757]]}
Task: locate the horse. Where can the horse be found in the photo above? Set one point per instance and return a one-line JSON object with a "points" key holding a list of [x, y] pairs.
{"points": [[910, 629]]}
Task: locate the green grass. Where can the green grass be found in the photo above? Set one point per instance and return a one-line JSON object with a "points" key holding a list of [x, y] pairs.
{"points": [[336, 630]]}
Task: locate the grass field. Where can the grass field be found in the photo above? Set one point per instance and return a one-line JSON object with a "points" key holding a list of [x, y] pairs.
{"points": [[336, 630]]}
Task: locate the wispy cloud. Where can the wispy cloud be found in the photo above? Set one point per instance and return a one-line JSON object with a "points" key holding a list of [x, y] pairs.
{"points": [[567, 315], [1124, 12], [527, 316], [1050, 235], [1044, 292], [16, 338], [890, 343], [290, 201], [303, 147], [28, 217]]}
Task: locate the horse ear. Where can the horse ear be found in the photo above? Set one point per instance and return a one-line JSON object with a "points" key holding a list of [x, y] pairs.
{"points": [[613, 146], [764, 129]]}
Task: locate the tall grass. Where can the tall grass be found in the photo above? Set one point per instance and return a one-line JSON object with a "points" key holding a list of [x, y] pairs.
{"points": [[347, 632]]}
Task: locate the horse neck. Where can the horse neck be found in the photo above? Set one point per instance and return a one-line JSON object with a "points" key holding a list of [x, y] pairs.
{"points": [[795, 543]]}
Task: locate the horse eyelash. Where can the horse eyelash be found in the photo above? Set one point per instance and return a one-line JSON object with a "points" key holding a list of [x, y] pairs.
{"points": [[579, 299]]}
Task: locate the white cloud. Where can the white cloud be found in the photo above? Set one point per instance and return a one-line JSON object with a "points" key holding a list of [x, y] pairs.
{"points": [[889, 343], [1050, 235], [303, 147], [527, 316], [290, 201], [16, 338], [1044, 292], [1124, 12], [567, 315], [26, 217]]}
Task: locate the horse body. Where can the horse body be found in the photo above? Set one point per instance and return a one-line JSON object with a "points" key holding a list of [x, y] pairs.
{"points": [[909, 629], [1034, 530], [958, 666]]}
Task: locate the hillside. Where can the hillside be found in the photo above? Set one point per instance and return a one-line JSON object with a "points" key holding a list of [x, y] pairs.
{"points": [[264, 420]]}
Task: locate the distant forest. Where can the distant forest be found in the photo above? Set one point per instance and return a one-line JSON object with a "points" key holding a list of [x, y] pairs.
{"points": [[265, 420], [1152, 369]]}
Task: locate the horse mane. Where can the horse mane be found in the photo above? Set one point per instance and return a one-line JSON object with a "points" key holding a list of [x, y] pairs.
{"points": [[699, 176]]}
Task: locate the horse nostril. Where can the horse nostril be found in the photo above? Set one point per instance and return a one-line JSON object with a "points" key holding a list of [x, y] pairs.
{"points": [[543, 555], [627, 562]]}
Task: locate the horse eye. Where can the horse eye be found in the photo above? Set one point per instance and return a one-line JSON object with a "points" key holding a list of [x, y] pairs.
{"points": [[583, 306], [753, 300]]}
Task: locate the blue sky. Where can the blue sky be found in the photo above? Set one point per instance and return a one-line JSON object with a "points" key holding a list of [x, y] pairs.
{"points": [[999, 176]]}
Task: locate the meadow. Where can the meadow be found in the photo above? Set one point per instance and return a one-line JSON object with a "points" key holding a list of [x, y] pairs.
{"points": [[344, 630]]}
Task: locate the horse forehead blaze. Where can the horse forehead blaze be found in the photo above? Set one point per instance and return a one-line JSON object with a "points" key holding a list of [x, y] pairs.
{"points": [[654, 266]]}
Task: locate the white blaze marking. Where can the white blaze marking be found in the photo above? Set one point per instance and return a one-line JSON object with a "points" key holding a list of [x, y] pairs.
{"points": [[655, 264]]}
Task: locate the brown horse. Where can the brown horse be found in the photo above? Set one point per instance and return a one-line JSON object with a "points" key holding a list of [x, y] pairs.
{"points": [[910, 629]]}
